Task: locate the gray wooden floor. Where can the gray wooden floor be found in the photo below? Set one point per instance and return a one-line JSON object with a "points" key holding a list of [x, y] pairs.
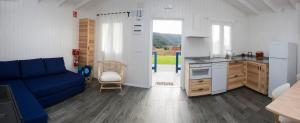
{"points": [[161, 105]]}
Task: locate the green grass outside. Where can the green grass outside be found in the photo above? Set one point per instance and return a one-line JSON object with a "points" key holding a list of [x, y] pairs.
{"points": [[166, 59]]}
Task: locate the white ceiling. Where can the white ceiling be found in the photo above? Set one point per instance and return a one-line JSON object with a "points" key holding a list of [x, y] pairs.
{"points": [[261, 6], [249, 7]]}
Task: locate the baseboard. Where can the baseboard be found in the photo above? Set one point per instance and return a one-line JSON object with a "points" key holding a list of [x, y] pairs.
{"points": [[134, 85]]}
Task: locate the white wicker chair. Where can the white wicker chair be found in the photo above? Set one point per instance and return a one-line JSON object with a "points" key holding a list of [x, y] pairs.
{"points": [[111, 74]]}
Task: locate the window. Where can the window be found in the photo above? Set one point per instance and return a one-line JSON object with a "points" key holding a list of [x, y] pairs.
{"points": [[221, 39]]}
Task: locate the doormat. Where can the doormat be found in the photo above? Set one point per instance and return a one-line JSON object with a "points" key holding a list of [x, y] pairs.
{"points": [[164, 83]]}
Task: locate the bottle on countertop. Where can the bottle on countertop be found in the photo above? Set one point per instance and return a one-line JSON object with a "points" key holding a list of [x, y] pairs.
{"points": [[249, 54]]}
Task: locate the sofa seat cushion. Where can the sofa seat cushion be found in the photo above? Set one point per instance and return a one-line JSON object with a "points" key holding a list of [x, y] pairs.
{"points": [[30, 109], [48, 85], [9, 70], [32, 68], [55, 65], [110, 76], [58, 97]]}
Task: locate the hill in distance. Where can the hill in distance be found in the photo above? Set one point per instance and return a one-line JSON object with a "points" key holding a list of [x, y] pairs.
{"points": [[162, 40]]}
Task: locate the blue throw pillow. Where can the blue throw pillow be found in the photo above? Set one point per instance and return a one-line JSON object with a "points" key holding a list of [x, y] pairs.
{"points": [[55, 65], [9, 70], [32, 68]]}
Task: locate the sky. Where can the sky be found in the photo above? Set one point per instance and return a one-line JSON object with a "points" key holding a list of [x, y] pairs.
{"points": [[167, 26]]}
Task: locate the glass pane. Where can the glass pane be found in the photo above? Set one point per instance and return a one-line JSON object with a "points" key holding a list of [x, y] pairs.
{"points": [[216, 39], [227, 38], [200, 72]]}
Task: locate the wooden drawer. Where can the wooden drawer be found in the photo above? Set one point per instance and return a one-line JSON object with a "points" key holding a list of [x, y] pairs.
{"points": [[200, 81], [200, 89]]}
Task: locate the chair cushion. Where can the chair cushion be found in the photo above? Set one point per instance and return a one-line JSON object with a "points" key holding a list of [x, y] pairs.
{"points": [[110, 76], [55, 65], [32, 68], [48, 85], [30, 109], [280, 90], [9, 70]]}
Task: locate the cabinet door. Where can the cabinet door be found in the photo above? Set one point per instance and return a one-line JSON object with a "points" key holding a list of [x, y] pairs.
{"points": [[263, 83], [236, 75], [200, 26], [253, 75]]}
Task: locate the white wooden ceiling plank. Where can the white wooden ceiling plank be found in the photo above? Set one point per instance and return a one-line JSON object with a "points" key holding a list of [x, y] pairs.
{"points": [[62, 2], [270, 5], [79, 5], [249, 6], [293, 4]]}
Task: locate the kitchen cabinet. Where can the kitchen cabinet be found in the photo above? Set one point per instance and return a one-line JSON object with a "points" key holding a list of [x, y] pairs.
{"points": [[199, 87], [257, 77], [236, 74], [264, 78], [200, 27], [196, 87]]}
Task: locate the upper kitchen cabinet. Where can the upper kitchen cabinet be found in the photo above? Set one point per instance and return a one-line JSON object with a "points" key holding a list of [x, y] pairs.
{"points": [[199, 27]]}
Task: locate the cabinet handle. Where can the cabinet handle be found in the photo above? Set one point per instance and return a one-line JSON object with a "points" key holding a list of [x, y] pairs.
{"points": [[201, 89], [200, 81], [235, 76]]}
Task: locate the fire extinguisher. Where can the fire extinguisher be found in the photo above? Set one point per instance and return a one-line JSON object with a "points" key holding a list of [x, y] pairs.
{"points": [[75, 53]]}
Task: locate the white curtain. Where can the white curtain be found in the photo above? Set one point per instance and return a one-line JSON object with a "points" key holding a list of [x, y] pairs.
{"points": [[111, 37]]}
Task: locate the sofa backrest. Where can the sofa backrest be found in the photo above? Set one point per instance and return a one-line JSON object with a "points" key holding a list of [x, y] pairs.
{"points": [[9, 70], [55, 65], [32, 68]]}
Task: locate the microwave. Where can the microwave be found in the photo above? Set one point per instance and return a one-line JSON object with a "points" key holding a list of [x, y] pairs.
{"points": [[200, 71]]}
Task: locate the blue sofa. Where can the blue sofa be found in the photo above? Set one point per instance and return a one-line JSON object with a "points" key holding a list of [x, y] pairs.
{"points": [[39, 83]]}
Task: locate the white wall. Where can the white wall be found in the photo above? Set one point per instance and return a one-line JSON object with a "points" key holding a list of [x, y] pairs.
{"points": [[29, 29], [268, 27], [139, 57]]}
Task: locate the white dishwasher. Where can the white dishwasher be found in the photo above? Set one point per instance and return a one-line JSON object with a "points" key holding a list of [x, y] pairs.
{"points": [[219, 77]]}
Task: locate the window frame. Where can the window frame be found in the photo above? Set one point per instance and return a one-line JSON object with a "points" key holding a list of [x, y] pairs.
{"points": [[222, 38]]}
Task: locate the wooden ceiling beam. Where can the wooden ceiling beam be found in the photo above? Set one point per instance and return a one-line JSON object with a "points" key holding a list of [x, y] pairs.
{"points": [[270, 5], [249, 6]]}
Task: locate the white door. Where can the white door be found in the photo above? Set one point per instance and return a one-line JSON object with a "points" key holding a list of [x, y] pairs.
{"points": [[219, 77], [277, 73]]}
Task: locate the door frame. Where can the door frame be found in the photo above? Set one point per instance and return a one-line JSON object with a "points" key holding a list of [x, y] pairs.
{"points": [[151, 47]]}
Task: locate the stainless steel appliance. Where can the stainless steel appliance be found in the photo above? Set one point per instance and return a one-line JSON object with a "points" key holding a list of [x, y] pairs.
{"points": [[200, 71]]}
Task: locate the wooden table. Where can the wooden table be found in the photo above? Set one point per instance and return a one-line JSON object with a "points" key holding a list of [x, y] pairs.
{"points": [[288, 104]]}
